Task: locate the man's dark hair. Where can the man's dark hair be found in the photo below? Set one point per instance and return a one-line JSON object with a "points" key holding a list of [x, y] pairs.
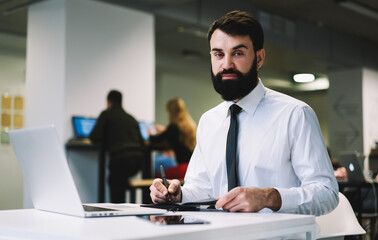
{"points": [[115, 98], [237, 23]]}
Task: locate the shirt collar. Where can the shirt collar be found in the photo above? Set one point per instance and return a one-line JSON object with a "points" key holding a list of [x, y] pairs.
{"points": [[250, 102]]}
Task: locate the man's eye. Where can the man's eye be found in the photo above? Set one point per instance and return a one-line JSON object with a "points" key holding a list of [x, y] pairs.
{"points": [[238, 53], [218, 54]]}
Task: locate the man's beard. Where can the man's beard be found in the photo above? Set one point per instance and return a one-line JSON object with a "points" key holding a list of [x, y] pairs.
{"points": [[235, 88]]}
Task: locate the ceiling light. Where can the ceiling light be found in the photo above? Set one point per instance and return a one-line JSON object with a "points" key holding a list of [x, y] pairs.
{"points": [[304, 77], [193, 31], [359, 8]]}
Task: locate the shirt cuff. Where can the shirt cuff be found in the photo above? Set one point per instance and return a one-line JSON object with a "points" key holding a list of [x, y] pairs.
{"points": [[289, 200], [184, 196]]}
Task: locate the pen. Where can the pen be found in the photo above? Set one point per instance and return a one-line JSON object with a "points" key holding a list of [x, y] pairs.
{"points": [[162, 172]]}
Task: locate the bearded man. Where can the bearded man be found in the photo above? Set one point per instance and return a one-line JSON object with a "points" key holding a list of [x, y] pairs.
{"points": [[259, 150]]}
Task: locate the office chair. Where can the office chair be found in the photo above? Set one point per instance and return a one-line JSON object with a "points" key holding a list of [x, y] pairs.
{"points": [[340, 222]]}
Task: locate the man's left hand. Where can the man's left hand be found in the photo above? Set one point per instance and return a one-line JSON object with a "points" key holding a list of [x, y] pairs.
{"points": [[250, 199]]}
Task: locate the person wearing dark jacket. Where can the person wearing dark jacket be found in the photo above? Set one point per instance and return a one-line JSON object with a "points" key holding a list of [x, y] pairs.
{"points": [[118, 133]]}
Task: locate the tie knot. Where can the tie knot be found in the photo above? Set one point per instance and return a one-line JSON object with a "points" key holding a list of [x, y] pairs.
{"points": [[235, 109]]}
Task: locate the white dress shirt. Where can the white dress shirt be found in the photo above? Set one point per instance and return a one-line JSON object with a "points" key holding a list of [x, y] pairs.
{"points": [[280, 146]]}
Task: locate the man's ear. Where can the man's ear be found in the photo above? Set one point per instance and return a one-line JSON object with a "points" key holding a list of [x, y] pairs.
{"points": [[260, 54]]}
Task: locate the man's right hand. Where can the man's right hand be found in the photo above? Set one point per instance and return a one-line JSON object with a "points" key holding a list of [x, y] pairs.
{"points": [[159, 191]]}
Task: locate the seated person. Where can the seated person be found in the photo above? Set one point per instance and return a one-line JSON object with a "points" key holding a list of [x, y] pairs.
{"points": [[340, 172], [180, 136]]}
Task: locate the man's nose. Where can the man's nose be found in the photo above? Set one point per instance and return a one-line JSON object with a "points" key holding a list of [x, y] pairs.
{"points": [[228, 63]]}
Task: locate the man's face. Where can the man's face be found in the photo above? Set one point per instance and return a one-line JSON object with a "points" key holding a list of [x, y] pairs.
{"points": [[234, 64]]}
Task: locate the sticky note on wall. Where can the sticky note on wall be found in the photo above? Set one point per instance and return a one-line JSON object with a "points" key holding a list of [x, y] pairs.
{"points": [[5, 120], [18, 103], [6, 101]]}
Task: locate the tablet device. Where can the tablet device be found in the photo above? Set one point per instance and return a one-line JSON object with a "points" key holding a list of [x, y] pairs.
{"points": [[145, 129], [202, 205], [172, 219]]}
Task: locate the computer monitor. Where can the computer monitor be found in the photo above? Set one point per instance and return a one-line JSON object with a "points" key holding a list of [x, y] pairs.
{"points": [[145, 129], [83, 126]]}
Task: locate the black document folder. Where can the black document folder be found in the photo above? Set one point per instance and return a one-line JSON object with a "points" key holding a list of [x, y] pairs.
{"points": [[204, 205]]}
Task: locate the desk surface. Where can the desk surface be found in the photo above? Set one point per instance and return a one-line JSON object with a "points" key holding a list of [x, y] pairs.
{"points": [[35, 224]]}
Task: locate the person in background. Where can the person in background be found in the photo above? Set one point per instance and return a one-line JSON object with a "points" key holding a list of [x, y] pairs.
{"points": [[280, 162], [180, 136], [340, 172], [118, 133], [367, 194]]}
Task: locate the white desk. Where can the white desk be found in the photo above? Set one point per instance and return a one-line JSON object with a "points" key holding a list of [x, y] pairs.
{"points": [[35, 224]]}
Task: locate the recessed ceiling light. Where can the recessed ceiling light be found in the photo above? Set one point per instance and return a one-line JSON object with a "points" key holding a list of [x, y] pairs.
{"points": [[304, 77]]}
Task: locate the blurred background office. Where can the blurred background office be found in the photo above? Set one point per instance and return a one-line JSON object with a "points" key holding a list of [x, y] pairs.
{"points": [[59, 58]]}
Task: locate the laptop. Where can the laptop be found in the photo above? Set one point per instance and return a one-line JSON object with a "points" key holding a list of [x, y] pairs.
{"points": [[351, 162], [83, 126], [48, 178]]}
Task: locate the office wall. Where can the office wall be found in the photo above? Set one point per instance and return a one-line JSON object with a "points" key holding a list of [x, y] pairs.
{"points": [[12, 65], [346, 111], [12, 81], [353, 111]]}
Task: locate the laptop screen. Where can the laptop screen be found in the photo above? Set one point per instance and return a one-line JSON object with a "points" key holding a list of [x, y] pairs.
{"points": [[145, 129], [353, 166], [83, 126]]}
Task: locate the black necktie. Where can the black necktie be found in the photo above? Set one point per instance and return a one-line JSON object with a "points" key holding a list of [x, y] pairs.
{"points": [[232, 141]]}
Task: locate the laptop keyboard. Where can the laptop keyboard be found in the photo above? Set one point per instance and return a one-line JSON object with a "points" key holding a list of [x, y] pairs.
{"points": [[97, 209]]}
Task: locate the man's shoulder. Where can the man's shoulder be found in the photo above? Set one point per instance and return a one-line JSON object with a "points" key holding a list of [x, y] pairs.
{"points": [[120, 113], [104, 113], [275, 97], [130, 117]]}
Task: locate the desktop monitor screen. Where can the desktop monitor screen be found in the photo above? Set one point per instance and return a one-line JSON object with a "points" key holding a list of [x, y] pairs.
{"points": [[83, 126]]}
